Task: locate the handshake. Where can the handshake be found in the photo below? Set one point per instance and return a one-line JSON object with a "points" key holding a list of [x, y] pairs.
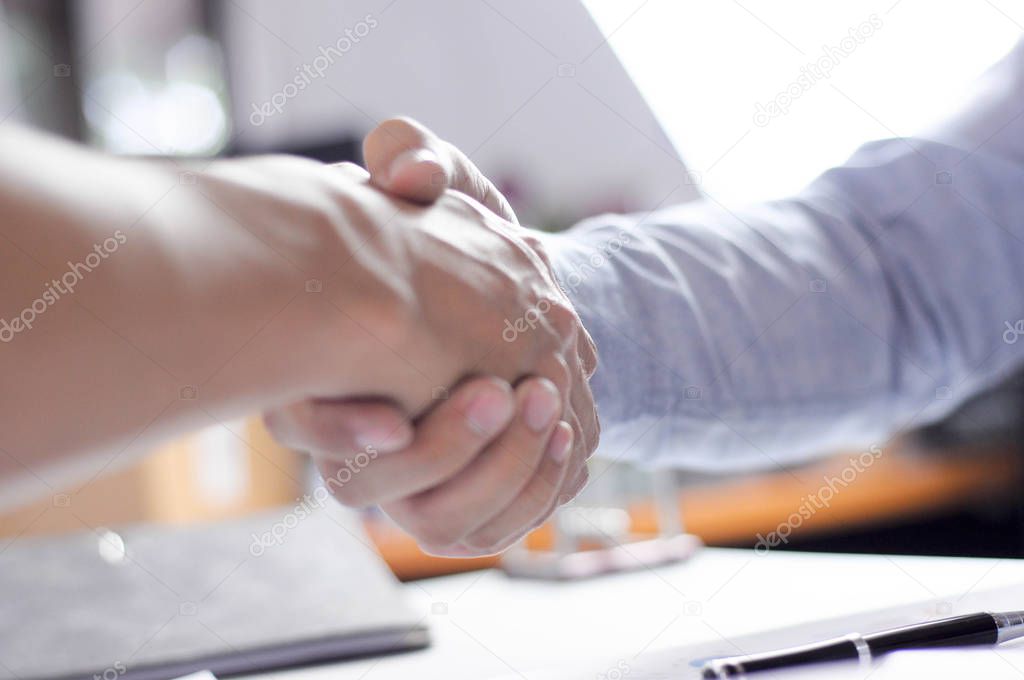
{"points": [[465, 412]]}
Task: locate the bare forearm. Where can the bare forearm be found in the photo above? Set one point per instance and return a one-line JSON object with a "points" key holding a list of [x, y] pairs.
{"points": [[242, 287], [136, 303]]}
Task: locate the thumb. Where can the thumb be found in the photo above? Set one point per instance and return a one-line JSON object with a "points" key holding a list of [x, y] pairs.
{"points": [[407, 160], [341, 427]]}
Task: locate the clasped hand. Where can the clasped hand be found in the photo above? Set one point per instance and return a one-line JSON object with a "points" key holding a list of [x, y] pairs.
{"points": [[506, 442]]}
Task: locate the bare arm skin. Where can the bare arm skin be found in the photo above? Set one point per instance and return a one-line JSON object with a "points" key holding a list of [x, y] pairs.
{"points": [[245, 286]]}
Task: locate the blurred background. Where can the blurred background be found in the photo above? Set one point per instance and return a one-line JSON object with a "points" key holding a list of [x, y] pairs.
{"points": [[574, 109]]}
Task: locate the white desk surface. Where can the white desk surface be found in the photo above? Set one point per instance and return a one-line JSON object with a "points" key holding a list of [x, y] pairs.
{"points": [[485, 625]]}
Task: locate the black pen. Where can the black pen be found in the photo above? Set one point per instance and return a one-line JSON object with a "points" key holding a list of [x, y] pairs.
{"points": [[959, 631]]}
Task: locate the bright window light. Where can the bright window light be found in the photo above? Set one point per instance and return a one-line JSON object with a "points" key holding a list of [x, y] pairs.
{"points": [[712, 68]]}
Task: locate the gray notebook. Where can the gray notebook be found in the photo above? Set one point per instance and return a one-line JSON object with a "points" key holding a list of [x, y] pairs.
{"points": [[149, 602]]}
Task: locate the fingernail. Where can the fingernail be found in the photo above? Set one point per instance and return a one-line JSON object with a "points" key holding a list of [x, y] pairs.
{"points": [[561, 443], [412, 157], [489, 411], [542, 405]]}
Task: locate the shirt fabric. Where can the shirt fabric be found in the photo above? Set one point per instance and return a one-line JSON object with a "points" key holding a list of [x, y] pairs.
{"points": [[881, 297]]}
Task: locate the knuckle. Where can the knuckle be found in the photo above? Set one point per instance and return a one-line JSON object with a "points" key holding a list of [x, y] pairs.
{"points": [[535, 244], [321, 221], [562, 316], [564, 321], [559, 373]]}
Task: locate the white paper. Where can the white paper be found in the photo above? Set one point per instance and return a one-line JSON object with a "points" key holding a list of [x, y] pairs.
{"points": [[685, 663]]}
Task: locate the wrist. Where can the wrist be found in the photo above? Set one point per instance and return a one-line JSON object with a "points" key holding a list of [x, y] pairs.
{"points": [[355, 316], [237, 260], [396, 291]]}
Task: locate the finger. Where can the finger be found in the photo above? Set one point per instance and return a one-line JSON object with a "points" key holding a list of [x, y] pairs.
{"points": [[586, 428], [582, 399], [446, 513], [408, 160], [340, 427], [585, 347], [446, 440], [573, 375], [577, 454], [576, 486], [534, 503], [587, 351]]}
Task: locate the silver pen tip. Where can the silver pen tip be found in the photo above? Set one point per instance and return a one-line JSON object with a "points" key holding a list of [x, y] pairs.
{"points": [[1010, 626]]}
